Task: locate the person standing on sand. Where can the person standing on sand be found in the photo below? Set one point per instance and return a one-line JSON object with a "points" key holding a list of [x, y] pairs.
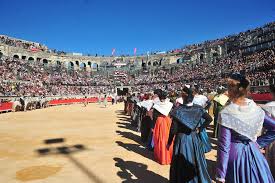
{"points": [[105, 101]]}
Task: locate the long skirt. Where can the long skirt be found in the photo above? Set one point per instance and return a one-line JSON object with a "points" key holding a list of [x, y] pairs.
{"points": [[145, 128], [247, 165], [188, 161], [270, 157], [160, 135], [205, 141]]}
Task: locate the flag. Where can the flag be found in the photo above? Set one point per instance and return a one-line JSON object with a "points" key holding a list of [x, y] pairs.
{"points": [[135, 51], [113, 51]]}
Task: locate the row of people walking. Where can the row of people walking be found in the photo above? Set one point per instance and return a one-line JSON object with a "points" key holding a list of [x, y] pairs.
{"points": [[176, 132]]}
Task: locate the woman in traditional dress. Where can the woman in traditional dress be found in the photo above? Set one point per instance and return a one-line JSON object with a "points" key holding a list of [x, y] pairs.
{"points": [[239, 159], [202, 101], [105, 101], [219, 101], [147, 117], [161, 131], [188, 161], [269, 108]]}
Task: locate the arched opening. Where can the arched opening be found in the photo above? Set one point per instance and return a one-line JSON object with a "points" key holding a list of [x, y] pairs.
{"points": [[31, 58], [77, 63], [45, 62], [58, 63], [149, 63], [90, 64], [16, 56], [1, 54], [23, 57], [160, 62], [70, 65], [155, 63], [83, 66], [201, 56], [94, 66]]}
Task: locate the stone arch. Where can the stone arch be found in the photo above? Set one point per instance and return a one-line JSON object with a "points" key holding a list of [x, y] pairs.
{"points": [[70, 65], [155, 63], [45, 61], [83, 66], [58, 63], [94, 66], [90, 64], [16, 56], [77, 63], [201, 56], [31, 59]]}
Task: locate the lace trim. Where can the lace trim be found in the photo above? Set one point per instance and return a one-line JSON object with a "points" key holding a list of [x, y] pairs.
{"points": [[250, 128]]}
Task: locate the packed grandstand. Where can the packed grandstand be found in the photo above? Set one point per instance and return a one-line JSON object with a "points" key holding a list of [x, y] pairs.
{"points": [[207, 64]]}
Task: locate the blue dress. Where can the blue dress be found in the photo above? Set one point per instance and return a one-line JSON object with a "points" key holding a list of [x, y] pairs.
{"points": [[205, 139], [239, 160], [188, 162]]}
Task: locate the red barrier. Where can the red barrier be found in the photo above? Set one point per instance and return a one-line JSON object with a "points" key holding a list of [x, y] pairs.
{"points": [[261, 97], [72, 101], [6, 106]]}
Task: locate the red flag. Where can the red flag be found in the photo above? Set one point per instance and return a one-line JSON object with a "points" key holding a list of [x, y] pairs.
{"points": [[135, 51], [113, 51]]}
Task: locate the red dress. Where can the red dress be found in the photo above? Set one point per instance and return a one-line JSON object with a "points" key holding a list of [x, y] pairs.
{"points": [[161, 134]]}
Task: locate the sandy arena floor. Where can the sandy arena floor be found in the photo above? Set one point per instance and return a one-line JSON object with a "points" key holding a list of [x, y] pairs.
{"points": [[99, 145]]}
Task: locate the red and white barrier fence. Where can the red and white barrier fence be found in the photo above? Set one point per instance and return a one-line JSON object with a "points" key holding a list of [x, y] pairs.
{"points": [[6, 106], [72, 101]]}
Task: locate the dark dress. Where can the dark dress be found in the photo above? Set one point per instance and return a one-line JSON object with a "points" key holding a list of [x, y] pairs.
{"points": [[188, 161], [145, 125]]}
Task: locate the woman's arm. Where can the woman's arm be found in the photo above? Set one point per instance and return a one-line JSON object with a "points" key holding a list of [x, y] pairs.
{"points": [[172, 133], [224, 141], [269, 136], [207, 121]]}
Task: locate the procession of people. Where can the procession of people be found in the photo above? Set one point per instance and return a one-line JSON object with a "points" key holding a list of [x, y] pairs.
{"points": [[175, 131]]}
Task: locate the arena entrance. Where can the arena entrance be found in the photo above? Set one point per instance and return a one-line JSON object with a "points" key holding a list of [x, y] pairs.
{"points": [[123, 90]]}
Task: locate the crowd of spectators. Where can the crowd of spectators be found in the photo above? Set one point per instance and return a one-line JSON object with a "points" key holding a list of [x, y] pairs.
{"points": [[32, 78], [29, 78], [259, 67], [22, 44]]}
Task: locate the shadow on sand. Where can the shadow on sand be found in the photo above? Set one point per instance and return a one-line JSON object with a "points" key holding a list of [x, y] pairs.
{"points": [[133, 172]]}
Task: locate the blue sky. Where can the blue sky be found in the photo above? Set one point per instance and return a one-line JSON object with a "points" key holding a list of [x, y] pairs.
{"points": [[97, 26]]}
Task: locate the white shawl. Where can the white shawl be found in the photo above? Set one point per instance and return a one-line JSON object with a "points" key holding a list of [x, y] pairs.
{"points": [[246, 120]]}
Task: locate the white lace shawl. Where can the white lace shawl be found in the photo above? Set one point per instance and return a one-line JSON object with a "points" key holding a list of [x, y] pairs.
{"points": [[270, 108], [246, 120]]}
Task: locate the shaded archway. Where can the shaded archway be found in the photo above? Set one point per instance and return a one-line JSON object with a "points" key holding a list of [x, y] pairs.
{"points": [[201, 56], [77, 63], [58, 63], [1, 54], [90, 64], [149, 63], [155, 63], [70, 65], [83, 66], [45, 62], [16, 56], [94, 66], [31, 58], [24, 57]]}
